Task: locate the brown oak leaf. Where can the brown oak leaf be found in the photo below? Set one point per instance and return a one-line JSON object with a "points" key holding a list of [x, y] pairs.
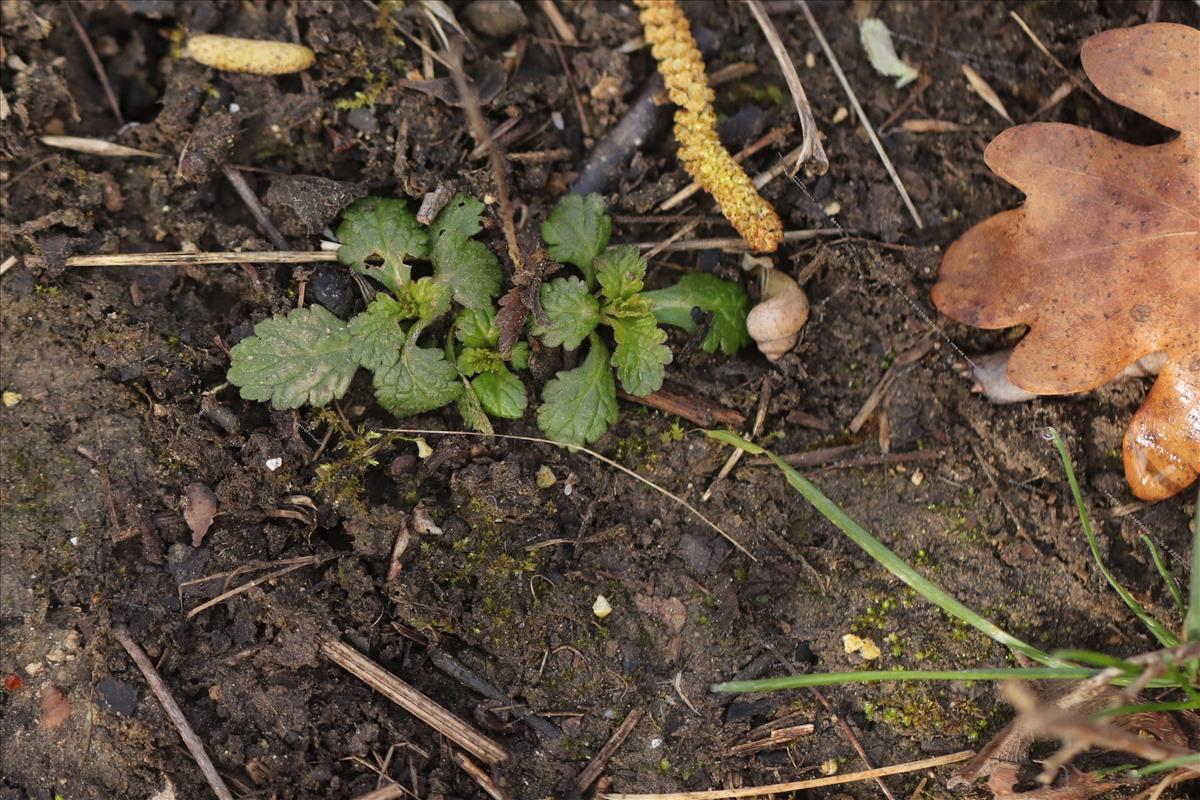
{"points": [[1102, 262]]}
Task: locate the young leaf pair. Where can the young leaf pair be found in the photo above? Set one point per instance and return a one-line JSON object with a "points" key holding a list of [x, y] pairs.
{"points": [[578, 405], [310, 356]]}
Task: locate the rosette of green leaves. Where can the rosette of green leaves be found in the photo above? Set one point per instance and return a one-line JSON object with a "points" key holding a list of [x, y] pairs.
{"points": [[579, 404], [310, 356]]}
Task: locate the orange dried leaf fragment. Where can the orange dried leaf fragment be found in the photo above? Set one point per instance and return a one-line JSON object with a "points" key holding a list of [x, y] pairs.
{"points": [[1102, 262]]}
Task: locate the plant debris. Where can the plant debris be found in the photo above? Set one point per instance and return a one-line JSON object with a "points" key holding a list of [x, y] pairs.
{"points": [[1101, 259]]}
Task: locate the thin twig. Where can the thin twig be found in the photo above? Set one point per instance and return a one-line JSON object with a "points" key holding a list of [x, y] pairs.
{"points": [[734, 244], [96, 64], [599, 457], [844, 727], [480, 777], [811, 153], [464, 675], [795, 786], [97, 147], [200, 259], [479, 130], [764, 400], [279, 573], [1079, 84], [770, 138], [259, 213], [564, 29], [412, 701], [591, 773], [862, 116], [193, 743], [684, 402]]}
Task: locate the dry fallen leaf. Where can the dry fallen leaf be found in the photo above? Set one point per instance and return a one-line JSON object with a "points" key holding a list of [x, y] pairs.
{"points": [[199, 508], [1101, 262]]}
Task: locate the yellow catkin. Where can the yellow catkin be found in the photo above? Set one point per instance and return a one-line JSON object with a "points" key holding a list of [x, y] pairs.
{"points": [[249, 55], [700, 150]]}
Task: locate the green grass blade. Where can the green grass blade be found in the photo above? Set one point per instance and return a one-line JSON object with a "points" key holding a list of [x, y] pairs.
{"points": [[1155, 627], [1191, 623], [1093, 659], [1139, 708], [1171, 763], [839, 678], [1172, 585], [890, 561]]}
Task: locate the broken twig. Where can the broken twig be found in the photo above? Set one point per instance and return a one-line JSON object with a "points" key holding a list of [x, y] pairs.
{"points": [[190, 740]]}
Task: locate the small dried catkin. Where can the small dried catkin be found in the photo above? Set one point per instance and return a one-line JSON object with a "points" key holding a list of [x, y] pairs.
{"points": [[249, 55], [700, 150]]}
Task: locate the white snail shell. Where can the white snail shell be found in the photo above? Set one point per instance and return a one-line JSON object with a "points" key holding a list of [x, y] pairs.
{"points": [[775, 322]]}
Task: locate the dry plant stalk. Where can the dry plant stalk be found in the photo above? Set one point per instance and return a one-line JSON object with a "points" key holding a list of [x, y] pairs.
{"points": [[700, 150]]}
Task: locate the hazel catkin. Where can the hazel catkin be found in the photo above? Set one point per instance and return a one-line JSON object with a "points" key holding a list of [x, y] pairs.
{"points": [[700, 150]]}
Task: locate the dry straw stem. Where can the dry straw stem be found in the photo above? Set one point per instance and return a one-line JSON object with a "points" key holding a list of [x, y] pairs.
{"points": [[811, 154], [194, 745], [862, 116], [700, 150], [795, 786]]}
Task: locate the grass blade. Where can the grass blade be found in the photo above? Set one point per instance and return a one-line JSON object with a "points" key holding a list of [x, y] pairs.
{"points": [[888, 559], [874, 676], [1172, 585], [1155, 627], [1191, 623]]}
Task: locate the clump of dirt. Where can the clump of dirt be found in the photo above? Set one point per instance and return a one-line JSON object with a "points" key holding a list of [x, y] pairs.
{"points": [[118, 405]]}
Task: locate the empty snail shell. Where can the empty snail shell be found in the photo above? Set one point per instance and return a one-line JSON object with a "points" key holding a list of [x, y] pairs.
{"points": [[775, 322]]}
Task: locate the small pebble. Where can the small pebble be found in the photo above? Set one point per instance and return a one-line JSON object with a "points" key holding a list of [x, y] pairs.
{"points": [[568, 489], [274, 463], [11, 399], [917, 478], [656, 743], [601, 608], [499, 19], [810, 60], [840, 115]]}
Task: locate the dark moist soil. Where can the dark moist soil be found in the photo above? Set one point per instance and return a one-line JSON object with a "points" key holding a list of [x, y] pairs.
{"points": [[119, 373]]}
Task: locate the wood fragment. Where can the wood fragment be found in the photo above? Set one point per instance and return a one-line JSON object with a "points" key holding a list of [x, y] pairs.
{"points": [[97, 64], [451, 666], [848, 732], [796, 786], [811, 154], [8, 264], [259, 213], [190, 740], [734, 244], [684, 402], [905, 359], [1071, 76], [96, 147], [562, 28], [862, 117], [389, 792], [433, 202], [279, 573], [541, 156], [480, 777], [764, 400], [930, 126], [985, 90], [412, 701], [777, 739], [180, 259], [591, 773]]}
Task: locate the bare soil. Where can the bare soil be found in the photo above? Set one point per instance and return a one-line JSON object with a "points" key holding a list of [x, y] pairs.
{"points": [[117, 371]]}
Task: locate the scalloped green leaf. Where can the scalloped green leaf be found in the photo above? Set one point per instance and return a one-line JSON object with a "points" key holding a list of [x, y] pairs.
{"points": [[571, 311], [577, 231], [640, 355], [727, 301], [305, 357], [375, 335], [420, 380], [383, 230], [578, 405]]}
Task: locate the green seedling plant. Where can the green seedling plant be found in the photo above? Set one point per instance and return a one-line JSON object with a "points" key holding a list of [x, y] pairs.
{"points": [[579, 405], [310, 356], [1178, 669]]}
